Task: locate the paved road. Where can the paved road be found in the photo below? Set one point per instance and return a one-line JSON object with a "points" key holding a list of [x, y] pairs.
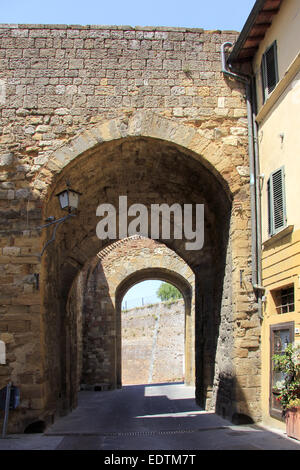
{"points": [[156, 417]]}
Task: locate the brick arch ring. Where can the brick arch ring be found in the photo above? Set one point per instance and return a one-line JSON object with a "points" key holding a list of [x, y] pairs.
{"points": [[161, 274]]}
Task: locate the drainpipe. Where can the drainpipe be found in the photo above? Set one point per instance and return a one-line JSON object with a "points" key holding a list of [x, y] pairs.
{"points": [[258, 205], [238, 76], [254, 178]]}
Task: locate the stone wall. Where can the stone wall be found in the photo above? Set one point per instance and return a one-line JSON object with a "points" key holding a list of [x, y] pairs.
{"points": [[76, 73], [153, 343], [145, 111]]}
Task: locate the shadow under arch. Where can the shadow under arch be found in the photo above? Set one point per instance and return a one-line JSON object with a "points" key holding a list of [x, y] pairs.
{"points": [[186, 290], [148, 125], [100, 177]]}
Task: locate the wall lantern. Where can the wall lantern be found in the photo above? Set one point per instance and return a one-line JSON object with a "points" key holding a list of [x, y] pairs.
{"points": [[69, 199]]}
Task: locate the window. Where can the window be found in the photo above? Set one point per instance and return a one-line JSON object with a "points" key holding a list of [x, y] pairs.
{"points": [[280, 336], [269, 71], [284, 300], [276, 201]]}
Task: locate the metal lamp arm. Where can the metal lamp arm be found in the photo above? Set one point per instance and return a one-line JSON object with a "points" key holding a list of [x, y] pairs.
{"points": [[57, 222]]}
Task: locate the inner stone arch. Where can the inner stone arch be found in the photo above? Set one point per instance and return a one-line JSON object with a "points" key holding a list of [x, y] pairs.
{"points": [[173, 275], [98, 291]]}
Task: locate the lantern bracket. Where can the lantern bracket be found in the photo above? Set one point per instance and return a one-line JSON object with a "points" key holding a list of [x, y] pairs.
{"points": [[56, 223]]}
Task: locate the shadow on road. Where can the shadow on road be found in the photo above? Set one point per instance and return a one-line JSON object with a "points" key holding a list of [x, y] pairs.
{"points": [[151, 416]]}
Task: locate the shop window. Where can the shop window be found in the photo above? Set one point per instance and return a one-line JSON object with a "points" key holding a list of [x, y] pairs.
{"points": [[269, 70], [280, 336]]}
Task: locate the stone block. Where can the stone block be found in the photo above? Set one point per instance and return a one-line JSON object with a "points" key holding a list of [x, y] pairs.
{"points": [[18, 326], [31, 391], [11, 251], [172, 65], [27, 299], [6, 159], [17, 309]]}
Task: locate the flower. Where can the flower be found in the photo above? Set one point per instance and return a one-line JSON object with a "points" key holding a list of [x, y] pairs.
{"points": [[288, 362], [279, 385]]}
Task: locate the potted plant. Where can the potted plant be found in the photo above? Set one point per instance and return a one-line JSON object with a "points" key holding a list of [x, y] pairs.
{"points": [[288, 362]]}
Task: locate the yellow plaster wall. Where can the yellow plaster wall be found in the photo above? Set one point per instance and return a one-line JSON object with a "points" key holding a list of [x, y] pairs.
{"points": [[285, 30], [279, 136], [281, 267], [279, 145]]}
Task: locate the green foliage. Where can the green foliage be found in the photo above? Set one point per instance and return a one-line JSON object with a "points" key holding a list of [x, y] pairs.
{"points": [[294, 403], [168, 292], [289, 363]]}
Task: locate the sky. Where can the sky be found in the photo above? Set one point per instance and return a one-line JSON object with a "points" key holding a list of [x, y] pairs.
{"points": [[206, 14], [144, 290], [212, 14]]}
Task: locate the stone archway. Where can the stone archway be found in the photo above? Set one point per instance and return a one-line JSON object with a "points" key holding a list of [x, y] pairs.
{"points": [[154, 160], [185, 132], [206, 145], [103, 284], [188, 333]]}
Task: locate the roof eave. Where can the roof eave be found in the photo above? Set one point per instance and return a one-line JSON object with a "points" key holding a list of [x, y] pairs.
{"points": [[240, 53]]}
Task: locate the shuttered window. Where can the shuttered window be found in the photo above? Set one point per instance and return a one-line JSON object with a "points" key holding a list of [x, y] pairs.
{"points": [[269, 70], [276, 201]]}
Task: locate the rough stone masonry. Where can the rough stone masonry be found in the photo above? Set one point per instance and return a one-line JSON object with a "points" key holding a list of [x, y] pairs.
{"points": [[153, 343], [112, 108]]}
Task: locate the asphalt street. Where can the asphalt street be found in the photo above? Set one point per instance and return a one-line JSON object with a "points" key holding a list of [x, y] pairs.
{"points": [[147, 417]]}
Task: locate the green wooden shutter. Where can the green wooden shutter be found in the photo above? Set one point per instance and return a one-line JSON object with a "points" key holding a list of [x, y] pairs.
{"points": [[263, 80], [276, 201], [270, 211], [269, 70]]}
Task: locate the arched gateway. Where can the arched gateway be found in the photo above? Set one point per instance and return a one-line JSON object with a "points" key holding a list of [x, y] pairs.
{"points": [[151, 156], [95, 301], [143, 157]]}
